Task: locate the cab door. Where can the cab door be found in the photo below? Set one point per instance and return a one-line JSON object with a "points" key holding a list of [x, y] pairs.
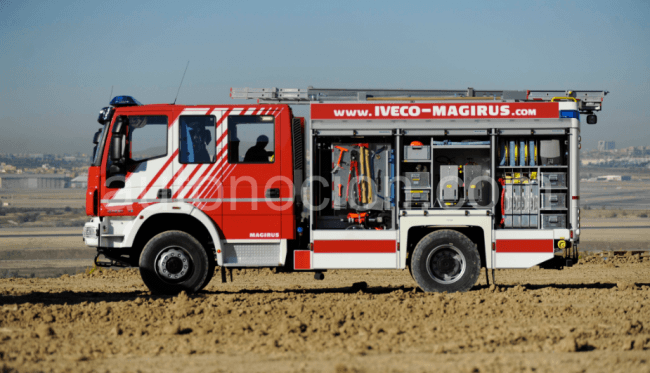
{"points": [[140, 178], [252, 182], [197, 169]]}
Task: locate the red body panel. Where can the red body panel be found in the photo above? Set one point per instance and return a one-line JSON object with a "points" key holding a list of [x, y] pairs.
{"points": [[350, 246], [93, 187], [302, 259], [510, 110], [524, 246]]}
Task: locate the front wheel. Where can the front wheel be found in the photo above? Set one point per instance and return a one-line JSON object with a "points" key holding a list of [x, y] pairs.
{"points": [[172, 262], [445, 260]]}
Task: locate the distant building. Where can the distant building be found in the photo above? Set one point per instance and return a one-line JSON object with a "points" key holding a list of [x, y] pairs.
{"points": [[614, 178], [79, 182], [606, 145], [34, 181]]}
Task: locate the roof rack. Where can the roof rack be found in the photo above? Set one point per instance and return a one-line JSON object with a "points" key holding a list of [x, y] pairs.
{"points": [[588, 100]]}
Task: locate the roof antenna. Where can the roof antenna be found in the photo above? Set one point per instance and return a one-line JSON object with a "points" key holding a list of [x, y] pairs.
{"points": [[179, 86], [111, 95]]}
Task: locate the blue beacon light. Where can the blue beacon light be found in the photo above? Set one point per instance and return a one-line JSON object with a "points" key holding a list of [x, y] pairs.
{"points": [[118, 101]]}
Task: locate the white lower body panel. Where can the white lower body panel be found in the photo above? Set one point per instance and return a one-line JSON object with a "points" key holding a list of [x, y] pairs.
{"points": [[521, 260], [523, 248], [354, 260]]}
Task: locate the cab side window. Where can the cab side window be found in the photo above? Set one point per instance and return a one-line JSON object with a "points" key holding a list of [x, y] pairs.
{"points": [[197, 139], [251, 139], [147, 137]]}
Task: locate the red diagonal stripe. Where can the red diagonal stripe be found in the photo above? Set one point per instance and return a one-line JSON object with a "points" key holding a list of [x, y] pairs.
{"points": [[225, 115], [162, 169], [226, 172], [216, 167], [169, 184], [205, 193], [207, 171], [189, 178]]}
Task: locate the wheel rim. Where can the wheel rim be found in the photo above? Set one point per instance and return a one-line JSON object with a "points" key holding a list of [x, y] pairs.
{"points": [[446, 264], [173, 264]]}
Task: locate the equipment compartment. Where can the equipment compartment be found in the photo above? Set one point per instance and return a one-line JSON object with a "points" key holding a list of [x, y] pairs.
{"points": [[553, 179], [361, 176], [416, 195], [417, 152], [477, 187], [553, 201], [418, 179], [551, 221]]}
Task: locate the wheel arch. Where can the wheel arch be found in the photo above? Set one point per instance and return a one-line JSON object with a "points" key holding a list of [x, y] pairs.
{"points": [[178, 216], [477, 228], [474, 233]]}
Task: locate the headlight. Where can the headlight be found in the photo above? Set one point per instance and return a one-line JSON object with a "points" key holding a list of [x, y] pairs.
{"points": [[90, 232]]}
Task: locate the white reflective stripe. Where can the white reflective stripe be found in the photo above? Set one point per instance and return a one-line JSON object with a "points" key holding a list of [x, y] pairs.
{"points": [[254, 241], [353, 235], [256, 199], [195, 111], [218, 111], [150, 200], [523, 234]]}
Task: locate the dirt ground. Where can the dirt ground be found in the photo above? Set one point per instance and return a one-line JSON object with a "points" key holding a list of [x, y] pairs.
{"points": [[592, 317]]}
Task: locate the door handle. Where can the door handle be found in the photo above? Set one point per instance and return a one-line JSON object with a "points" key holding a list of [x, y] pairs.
{"points": [[164, 194], [273, 193]]}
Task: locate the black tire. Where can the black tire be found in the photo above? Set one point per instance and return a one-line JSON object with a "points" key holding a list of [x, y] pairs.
{"points": [[446, 260], [172, 262], [212, 266]]}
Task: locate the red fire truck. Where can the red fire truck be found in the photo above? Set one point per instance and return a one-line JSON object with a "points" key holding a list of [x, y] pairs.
{"points": [[443, 182]]}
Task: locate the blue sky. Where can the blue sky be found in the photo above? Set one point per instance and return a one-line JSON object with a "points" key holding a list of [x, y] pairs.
{"points": [[59, 59]]}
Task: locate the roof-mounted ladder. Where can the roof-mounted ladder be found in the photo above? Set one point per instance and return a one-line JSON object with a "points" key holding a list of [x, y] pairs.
{"points": [[588, 101]]}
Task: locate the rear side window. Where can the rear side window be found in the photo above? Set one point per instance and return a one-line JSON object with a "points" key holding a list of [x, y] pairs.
{"points": [[147, 136], [197, 139], [251, 139]]}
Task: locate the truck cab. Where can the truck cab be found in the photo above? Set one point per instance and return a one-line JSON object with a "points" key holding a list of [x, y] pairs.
{"points": [[223, 175]]}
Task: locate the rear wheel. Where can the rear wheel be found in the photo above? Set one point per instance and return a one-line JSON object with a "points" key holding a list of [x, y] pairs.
{"points": [[445, 260], [172, 262]]}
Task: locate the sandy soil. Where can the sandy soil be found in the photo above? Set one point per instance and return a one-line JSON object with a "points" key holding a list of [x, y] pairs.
{"points": [[594, 316]]}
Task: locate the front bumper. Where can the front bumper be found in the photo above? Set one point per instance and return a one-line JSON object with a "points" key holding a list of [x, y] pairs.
{"points": [[91, 232], [112, 231]]}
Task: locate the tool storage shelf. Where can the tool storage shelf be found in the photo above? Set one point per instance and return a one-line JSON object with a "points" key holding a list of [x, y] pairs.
{"points": [[461, 146], [534, 196], [447, 157], [528, 167]]}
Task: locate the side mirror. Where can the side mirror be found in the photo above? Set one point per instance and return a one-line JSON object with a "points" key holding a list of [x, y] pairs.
{"points": [[120, 125], [97, 136], [592, 119], [105, 115], [116, 148]]}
